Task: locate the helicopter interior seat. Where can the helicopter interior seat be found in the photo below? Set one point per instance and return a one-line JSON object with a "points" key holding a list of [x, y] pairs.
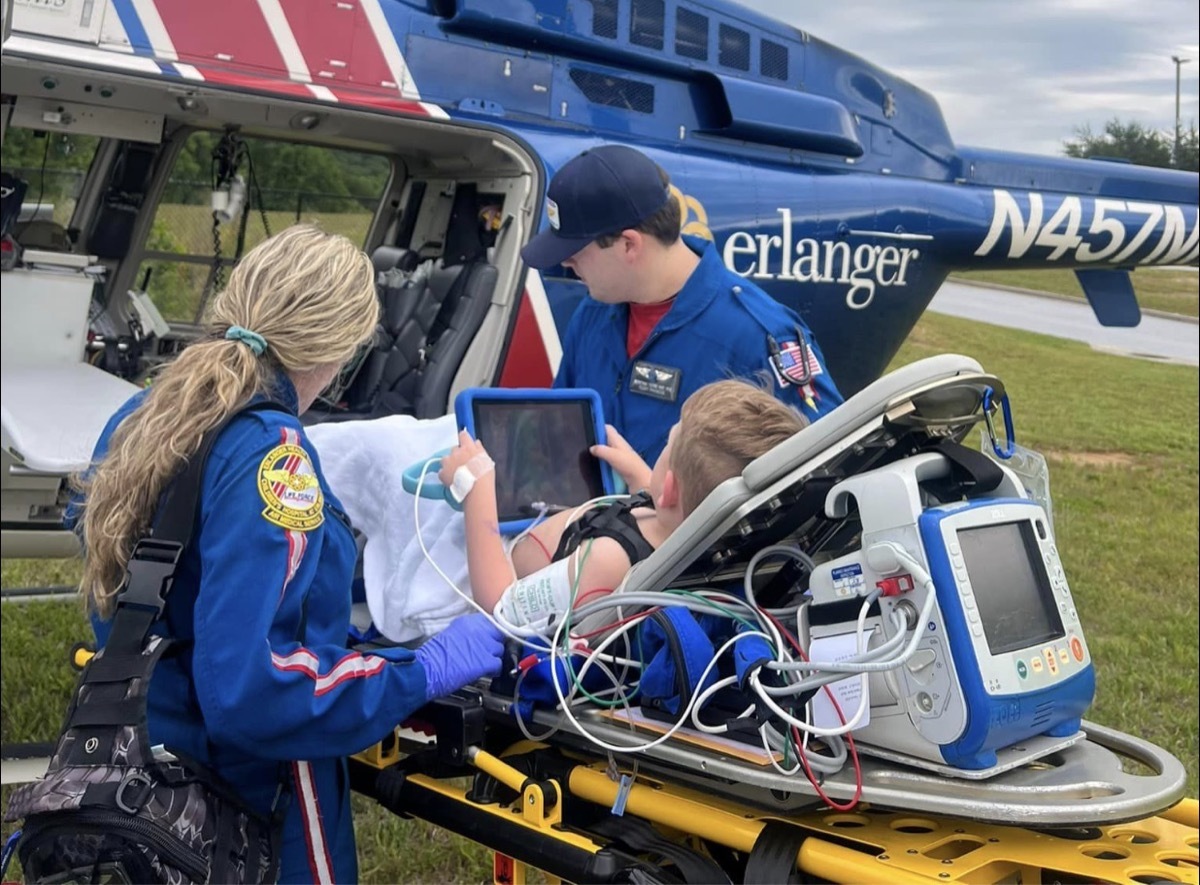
{"points": [[454, 299], [399, 294], [429, 347], [400, 289]]}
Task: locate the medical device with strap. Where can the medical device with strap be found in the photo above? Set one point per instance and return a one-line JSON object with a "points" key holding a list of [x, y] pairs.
{"points": [[111, 807]]}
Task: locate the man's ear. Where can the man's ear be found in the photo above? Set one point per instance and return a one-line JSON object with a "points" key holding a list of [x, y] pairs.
{"points": [[633, 243], [670, 490]]}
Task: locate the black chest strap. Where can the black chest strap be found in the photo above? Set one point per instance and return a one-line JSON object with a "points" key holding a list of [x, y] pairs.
{"points": [[615, 521]]}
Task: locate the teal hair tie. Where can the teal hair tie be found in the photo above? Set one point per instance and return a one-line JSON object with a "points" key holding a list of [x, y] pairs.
{"points": [[253, 340]]}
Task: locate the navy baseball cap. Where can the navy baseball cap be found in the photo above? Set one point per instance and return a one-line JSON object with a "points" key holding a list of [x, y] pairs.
{"points": [[604, 190]]}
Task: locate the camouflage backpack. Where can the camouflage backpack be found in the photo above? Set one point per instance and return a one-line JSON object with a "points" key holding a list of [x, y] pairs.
{"points": [[112, 808]]}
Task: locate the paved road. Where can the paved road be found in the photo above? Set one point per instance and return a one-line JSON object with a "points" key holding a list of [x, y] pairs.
{"points": [[1155, 338]]}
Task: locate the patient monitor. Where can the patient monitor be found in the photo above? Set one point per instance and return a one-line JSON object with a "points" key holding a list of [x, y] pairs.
{"points": [[1001, 658]]}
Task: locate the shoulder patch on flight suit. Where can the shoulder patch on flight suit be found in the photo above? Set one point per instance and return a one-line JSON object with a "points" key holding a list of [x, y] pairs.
{"points": [[290, 488]]}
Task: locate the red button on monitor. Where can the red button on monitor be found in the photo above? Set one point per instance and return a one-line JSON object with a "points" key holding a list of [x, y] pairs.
{"points": [[1077, 648]]}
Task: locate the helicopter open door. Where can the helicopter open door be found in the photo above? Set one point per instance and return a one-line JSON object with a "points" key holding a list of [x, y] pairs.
{"points": [[119, 244]]}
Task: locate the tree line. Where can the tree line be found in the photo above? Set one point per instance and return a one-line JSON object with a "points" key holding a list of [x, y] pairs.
{"points": [[328, 180], [1135, 143]]}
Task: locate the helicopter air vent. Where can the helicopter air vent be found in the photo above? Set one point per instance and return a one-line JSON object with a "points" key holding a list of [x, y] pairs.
{"points": [[773, 60], [616, 92], [647, 23], [604, 18], [691, 34], [735, 48]]}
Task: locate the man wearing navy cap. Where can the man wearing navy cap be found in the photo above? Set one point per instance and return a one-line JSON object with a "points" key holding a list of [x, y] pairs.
{"points": [[665, 315]]}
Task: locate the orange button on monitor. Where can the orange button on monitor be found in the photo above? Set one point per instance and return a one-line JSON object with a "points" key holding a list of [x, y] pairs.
{"points": [[1077, 648]]}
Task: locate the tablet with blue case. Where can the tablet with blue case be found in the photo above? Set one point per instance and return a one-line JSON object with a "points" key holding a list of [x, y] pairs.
{"points": [[540, 441]]}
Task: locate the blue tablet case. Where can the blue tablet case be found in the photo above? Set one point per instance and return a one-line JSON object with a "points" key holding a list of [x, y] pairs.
{"points": [[539, 440]]}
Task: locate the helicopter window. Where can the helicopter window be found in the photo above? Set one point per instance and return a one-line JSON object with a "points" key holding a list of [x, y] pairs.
{"points": [[604, 18], [617, 92], [691, 34], [646, 23], [260, 186], [53, 166], [773, 60], [735, 48]]}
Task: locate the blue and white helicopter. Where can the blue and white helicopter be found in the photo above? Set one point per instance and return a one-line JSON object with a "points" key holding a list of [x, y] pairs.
{"points": [[831, 183]]}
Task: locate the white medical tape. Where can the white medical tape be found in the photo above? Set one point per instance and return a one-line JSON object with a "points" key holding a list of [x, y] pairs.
{"points": [[467, 474]]}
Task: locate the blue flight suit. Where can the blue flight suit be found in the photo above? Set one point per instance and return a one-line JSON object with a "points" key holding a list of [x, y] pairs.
{"points": [[720, 326], [248, 691]]}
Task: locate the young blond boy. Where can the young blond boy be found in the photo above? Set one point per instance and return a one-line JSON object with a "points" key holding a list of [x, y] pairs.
{"points": [[723, 426]]}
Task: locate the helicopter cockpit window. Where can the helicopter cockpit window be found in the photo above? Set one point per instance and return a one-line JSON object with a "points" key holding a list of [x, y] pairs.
{"points": [[226, 193], [52, 167]]}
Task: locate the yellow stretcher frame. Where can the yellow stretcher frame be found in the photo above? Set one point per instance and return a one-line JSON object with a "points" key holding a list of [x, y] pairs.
{"points": [[528, 830]]}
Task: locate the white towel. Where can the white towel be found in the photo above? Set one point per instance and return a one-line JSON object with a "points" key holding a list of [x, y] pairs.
{"points": [[363, 462]]}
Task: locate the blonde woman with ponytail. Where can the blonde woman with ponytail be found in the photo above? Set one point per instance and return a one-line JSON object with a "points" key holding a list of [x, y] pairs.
{"points": [[261, 601]]}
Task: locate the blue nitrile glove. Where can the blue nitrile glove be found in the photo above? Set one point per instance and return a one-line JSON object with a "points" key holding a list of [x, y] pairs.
{"points": [[469, 648]]}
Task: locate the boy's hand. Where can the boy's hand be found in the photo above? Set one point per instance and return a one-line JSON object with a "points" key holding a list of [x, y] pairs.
{"points": [[461, 454], [622, 458]]}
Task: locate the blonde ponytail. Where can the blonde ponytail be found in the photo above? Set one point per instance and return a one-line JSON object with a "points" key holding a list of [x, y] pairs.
{"points": [[308, 297]]}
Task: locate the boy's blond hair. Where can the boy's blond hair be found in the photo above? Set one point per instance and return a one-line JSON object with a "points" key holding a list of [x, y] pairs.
{"points": [[723, 427]]}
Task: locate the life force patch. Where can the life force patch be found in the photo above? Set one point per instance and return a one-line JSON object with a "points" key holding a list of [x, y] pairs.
{"points": [[290, 488]]}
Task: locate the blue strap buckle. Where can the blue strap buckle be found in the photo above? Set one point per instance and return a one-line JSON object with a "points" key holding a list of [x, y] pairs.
{"points": [[1011, 437]]}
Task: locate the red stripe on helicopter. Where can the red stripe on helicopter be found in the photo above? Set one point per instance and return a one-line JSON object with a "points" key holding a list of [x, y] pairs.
{"points": [[219, 34], [339, 44], [526, 363], [354, 98]]}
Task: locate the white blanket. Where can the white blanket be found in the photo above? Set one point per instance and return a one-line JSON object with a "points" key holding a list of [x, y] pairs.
{"points": [[363, 462]]}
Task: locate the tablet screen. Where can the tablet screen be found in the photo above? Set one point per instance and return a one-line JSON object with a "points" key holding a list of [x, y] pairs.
{"points": [[541, 452]]}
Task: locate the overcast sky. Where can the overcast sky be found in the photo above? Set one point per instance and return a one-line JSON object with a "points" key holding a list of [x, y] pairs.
{"points": [[1021, 74]]}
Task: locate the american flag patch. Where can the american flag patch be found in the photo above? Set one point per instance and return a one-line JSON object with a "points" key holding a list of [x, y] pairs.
{"points": [[789, 363]]}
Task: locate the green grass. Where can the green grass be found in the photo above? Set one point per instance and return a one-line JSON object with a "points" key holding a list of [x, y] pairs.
{"points": [[1121, 438], [1169, 290]]}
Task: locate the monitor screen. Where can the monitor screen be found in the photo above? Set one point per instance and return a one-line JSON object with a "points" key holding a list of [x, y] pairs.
{"points": [[541, 450], [1012, 589]]}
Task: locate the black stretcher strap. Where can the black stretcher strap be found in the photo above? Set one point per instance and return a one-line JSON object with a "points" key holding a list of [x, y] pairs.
{"points": [[975, 471], [773, 859], [640, 836]]}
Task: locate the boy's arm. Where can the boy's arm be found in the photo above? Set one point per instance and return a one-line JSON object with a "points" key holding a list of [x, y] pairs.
{"points": [[486, 563], [536, 550], [549, 592], [603, 568]]}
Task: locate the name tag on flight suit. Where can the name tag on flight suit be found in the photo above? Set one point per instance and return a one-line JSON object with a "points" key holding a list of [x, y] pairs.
{"points": [[659, 382]]}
